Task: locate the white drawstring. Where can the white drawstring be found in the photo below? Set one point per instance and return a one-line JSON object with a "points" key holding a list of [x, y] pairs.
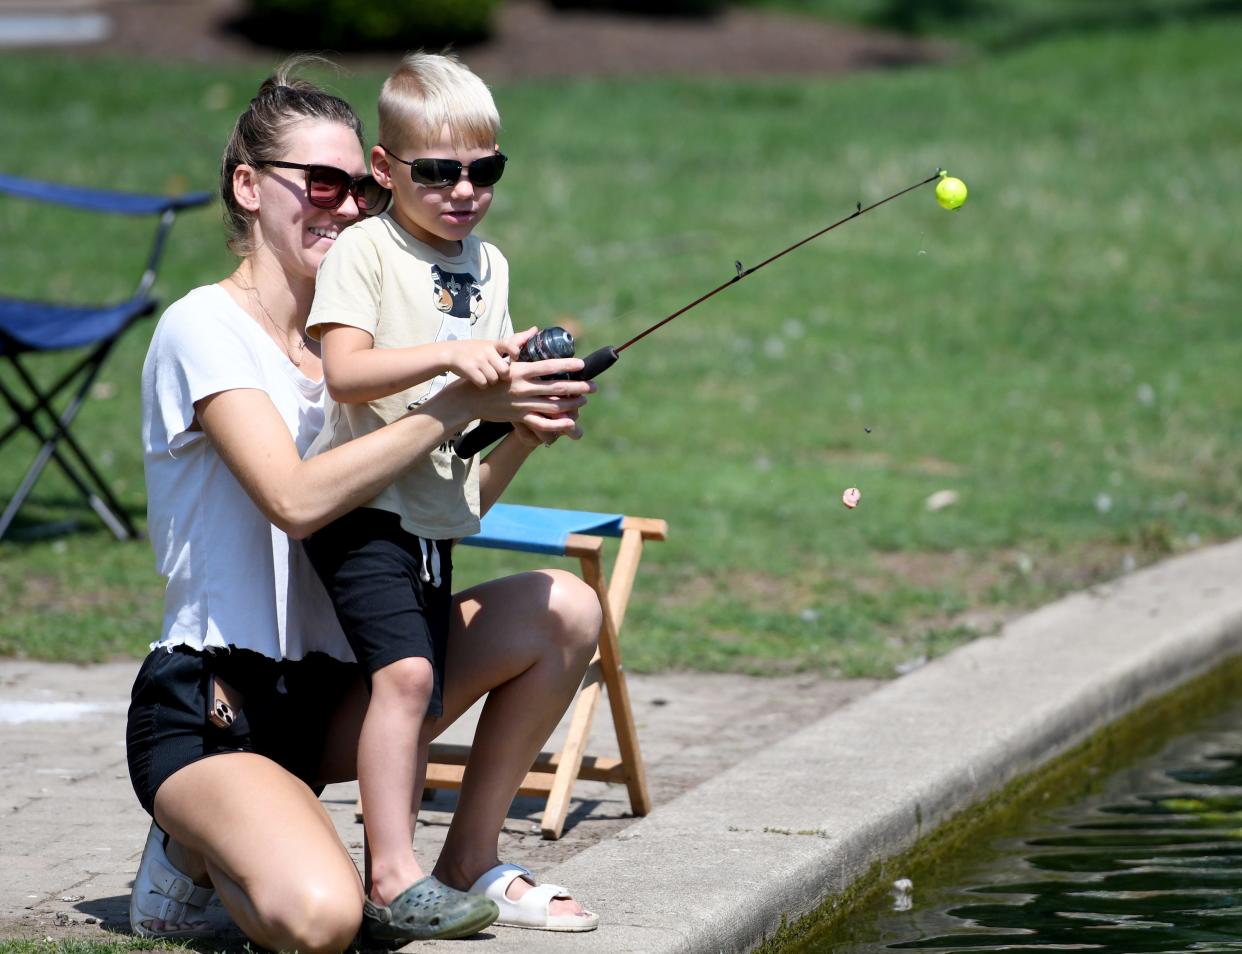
{"points": [[434, 576]]}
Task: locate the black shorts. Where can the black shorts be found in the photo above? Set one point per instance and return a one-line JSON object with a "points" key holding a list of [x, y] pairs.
{"points": [[393, 596], [286, 709]]}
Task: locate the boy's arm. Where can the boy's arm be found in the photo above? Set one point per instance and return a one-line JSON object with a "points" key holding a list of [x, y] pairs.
{"points": [[356, 371], [344, 317]]}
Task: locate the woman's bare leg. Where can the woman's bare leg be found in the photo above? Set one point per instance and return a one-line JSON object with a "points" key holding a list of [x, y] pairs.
{"points": [[270, 849], [340, 748], [525, 641]]}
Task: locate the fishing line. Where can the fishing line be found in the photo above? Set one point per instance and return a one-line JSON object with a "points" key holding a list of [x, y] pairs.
{"points": [[559, 343]]}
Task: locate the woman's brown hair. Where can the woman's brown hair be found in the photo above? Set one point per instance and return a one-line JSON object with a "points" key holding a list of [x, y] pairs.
{"points": [[261, 133]]}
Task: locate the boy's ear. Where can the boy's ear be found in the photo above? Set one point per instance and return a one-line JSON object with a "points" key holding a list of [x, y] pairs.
{"points": [[246, 188], [381, 168]]}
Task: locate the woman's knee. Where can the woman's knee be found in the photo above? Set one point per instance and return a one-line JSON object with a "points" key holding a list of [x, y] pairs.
{"points": [[311, 916], [574, 611]]}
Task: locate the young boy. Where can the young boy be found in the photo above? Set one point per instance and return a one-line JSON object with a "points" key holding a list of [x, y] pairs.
{"points": [[401, 305]]}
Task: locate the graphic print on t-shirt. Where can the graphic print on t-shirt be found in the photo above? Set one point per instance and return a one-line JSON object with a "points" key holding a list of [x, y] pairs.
{"points": [[457, 294]]}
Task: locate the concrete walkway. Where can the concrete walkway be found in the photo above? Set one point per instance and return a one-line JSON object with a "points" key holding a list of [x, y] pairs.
{"points": [[71, 830], [787, 793]]}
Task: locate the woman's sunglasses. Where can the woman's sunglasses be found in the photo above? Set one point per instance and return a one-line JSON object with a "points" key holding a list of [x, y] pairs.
{"points": [[327, 186], [438, 173]]}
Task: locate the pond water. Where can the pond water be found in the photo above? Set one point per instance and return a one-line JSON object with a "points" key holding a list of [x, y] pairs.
{"points": [[1151, 862]]}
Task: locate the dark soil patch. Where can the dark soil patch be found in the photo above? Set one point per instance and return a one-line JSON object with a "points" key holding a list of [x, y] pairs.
{"points": [[533, 40]]}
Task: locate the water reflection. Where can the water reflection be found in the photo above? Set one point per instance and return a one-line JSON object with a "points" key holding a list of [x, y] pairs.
{"points": [[1152, 864]]}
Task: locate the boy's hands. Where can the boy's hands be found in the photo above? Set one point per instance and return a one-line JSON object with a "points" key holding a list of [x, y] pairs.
{"points": [[519, 338], [481, 362]]}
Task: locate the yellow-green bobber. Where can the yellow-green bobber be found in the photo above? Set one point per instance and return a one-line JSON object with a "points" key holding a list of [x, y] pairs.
{"points": [[950, 192]]}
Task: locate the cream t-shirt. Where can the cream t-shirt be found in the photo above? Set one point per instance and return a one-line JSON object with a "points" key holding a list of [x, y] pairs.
{"points": [[380, 279]]}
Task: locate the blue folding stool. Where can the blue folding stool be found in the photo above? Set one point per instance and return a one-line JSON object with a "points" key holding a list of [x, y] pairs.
{"points": [[29, 327], [574, 533]]}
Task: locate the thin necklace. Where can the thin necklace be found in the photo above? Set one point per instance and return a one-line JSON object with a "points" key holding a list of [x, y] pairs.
{"points": [[252, 294]]}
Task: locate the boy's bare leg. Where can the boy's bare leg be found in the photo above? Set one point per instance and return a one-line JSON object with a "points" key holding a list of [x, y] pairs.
{"points": [[525, 641], [392, 766], [275, 861]]}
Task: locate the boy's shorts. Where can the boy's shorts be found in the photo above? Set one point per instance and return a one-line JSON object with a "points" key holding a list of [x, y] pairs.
{"points": [[393, 591], [286, 709]]}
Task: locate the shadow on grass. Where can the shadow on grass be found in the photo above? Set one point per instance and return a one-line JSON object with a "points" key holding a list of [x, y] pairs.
{"points": [[1005, 25], [1140, 15], [61, 517], [912, 16]]}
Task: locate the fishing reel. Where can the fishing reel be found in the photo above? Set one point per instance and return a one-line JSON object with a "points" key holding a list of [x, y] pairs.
{"points": [[554, 342]]}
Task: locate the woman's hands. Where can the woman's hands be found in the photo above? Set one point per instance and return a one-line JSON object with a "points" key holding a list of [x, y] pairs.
{"points": [[546, 408], [540, 409]]}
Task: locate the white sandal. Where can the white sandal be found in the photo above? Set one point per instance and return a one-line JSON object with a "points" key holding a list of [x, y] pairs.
{"points": [[163, 894], [531, 909]]}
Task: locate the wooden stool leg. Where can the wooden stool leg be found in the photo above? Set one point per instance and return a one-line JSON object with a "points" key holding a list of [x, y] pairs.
{"points": [[555, 774], [570, 763], [627, 735], [614, 601]]}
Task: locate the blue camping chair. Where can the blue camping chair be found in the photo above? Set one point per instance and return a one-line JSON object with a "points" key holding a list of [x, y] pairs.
{"points": [[572, 533], [30, 327]]}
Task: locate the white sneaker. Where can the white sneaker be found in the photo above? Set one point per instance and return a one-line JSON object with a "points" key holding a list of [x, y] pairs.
{"points": [[162, 894]]}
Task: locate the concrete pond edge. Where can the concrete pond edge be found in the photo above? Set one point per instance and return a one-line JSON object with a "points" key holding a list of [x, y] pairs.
{"points": [[771, 840]]}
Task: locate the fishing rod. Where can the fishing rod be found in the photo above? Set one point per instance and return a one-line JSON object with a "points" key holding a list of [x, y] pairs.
{"points": [[559, 343]]}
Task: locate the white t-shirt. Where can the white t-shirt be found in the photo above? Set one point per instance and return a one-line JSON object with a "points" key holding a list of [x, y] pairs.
{"points": [[379, 278], [234, 579]]}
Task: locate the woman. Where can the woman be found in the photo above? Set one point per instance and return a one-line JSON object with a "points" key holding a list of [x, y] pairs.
{"points": [[250, 700]]}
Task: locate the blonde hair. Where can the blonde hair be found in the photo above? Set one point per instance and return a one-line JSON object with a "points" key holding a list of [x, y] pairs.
{"points": [[262, 132], [429, 91]]}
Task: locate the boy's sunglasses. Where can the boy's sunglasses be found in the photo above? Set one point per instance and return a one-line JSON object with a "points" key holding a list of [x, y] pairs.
{"points": [[327, 186], [437, 173]]}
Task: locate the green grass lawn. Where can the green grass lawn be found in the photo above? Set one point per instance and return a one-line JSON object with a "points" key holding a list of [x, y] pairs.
{"points": [[1062, 353], [993, 25], [118, 945]]}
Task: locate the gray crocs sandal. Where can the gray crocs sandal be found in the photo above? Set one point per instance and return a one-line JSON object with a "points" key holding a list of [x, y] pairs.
{"points": [[425, 910]]}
